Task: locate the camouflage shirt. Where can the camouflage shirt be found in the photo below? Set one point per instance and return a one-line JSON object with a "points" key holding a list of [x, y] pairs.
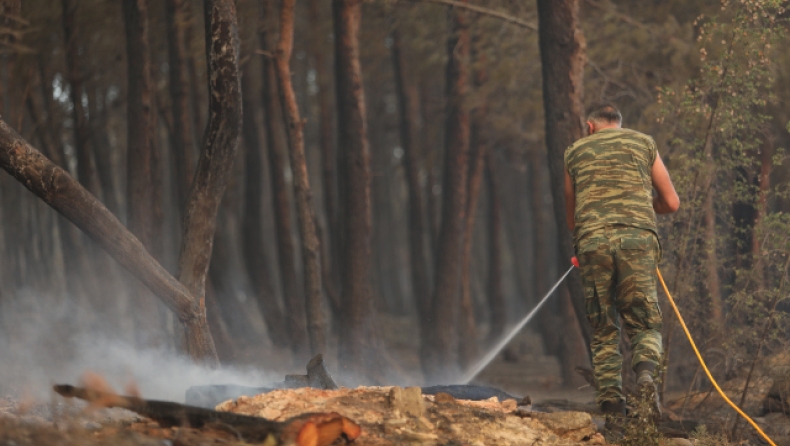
{"points": [[611, 172]]}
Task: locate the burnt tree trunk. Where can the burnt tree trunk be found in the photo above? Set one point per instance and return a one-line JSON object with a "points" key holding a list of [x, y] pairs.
{"points": [[223, 278], [761, 209], [100, 141], [549, 317], [254, 246], [407, 114], [194, 82], [713, 280], [58, 189], [311, 254], [454, 200], [278, 164], [496, 296], [358, 338], [326, 147], [562, 55], [479, 146], [140, 130], [215, 162], [181, 137], [78, 281], [86, 167]]}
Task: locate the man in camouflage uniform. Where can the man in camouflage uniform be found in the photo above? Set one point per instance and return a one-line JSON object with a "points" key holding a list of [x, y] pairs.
{"points": [[609, 180]]}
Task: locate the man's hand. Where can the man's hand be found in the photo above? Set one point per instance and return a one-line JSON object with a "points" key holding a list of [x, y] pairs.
{"points": [[666, 200]]}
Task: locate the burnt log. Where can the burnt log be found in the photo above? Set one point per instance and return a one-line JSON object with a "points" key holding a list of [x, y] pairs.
{"points": [[209, 396], [308, 429], [317, 375]]}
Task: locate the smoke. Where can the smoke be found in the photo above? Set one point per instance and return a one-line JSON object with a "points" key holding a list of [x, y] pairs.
{"points": [[45, 341]]}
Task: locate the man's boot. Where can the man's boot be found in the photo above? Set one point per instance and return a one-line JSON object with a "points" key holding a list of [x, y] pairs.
{"points": [[614, 413], [647, 388]]}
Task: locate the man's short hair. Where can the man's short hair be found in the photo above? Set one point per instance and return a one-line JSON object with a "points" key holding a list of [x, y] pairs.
{"points": [[604, 112]]}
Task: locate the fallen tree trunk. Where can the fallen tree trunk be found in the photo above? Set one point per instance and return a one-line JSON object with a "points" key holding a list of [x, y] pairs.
{"points": [[313, 429], [61, 191]]}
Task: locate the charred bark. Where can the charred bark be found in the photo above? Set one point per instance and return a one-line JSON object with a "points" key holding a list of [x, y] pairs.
{"points": [[278, 164], [329, 261], [549, 320], [103, 149], [140, 122], [224, 278], [407, 114], [181, 137], [71, 239], [254, 247], [311, 255], [358, 338], [140, 130], [216, 159], [496, 297], [479, 145], [562, 54], [454, 200], [86, 167]]}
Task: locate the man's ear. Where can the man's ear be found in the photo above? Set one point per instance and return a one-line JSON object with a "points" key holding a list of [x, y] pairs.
{"points": [[590, 128]]}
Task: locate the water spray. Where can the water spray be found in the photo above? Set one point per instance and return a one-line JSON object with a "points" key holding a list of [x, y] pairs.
{"points": [[481, 364]]}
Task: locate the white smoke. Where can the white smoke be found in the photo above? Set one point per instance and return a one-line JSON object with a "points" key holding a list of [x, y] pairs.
{"points": [[41, 345]]}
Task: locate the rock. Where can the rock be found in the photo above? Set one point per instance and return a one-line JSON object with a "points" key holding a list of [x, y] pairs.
{"points": [[408, 401], [419, 437], [509, 405], [442, 397], [571, 425], [425, 424]]}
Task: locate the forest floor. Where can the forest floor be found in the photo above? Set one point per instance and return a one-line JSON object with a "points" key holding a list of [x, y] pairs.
{"points": [[563, 416]]}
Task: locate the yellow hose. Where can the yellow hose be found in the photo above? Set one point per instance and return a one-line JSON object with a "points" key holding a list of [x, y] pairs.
{"points": [[705, 367]]}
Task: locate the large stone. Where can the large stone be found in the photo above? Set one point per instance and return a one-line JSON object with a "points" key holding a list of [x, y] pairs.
{"points": [[408, 401], [571, 425]]}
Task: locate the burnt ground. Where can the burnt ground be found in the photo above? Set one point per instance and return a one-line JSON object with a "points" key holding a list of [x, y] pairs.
{"points": [[523, 371]]}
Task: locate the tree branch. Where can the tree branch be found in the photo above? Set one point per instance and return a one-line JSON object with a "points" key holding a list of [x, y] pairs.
{"points": [[632, 21], [481, 10]]}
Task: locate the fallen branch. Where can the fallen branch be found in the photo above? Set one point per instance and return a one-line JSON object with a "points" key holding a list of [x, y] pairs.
{"points": [[480, 10], [314, 429]]}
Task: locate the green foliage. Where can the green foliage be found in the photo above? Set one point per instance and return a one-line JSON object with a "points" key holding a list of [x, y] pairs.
{"points": [[727, 249]]}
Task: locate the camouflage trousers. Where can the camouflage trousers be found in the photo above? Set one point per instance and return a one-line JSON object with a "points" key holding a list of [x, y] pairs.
{"points": [[618, 274]]}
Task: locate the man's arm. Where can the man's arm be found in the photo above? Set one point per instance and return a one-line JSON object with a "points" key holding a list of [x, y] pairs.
{"points": [[666, 200], [570, 201]]}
